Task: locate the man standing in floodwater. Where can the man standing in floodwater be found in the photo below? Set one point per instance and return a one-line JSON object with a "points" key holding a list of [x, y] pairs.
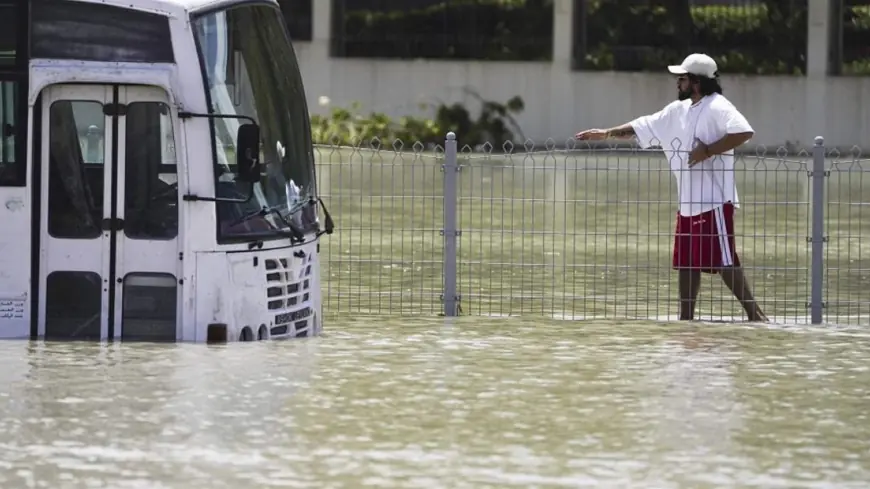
{"points": [[701, 129]]}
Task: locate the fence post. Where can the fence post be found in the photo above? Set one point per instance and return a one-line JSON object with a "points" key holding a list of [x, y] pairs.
{"points": [[817, 272], [450, 232]]}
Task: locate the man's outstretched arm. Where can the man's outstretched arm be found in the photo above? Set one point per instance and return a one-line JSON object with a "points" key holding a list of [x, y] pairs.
{"points": [[647, 129], [624, 131]]}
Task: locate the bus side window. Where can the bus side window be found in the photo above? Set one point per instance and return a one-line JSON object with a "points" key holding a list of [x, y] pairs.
{"points": [[9, 170], [13, 86]]}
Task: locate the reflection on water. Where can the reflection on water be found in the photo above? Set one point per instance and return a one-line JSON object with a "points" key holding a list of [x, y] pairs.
{"points": [[445, 404]]}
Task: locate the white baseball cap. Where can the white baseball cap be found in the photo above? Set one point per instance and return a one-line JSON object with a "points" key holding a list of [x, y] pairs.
{"points": [[696, 64]]}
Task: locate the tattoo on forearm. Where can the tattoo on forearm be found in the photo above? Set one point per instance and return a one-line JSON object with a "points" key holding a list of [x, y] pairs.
{"points": [[621, 132]]}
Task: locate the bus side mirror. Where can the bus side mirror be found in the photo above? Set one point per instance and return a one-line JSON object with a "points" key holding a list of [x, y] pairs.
{"points": [[248, 153]]}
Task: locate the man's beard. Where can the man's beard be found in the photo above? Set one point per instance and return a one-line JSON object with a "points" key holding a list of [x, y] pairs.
{"points": [[684, 94]]}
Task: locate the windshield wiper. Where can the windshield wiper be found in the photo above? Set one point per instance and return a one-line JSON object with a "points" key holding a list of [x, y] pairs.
{"points": [[295, 233]]}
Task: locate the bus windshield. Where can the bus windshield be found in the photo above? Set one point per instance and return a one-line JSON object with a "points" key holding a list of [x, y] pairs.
{"points": [[251, 70]]}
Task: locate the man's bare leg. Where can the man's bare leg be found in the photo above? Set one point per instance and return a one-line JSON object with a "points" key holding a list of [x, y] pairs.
{"points": [[690, 285], [736, 281]]}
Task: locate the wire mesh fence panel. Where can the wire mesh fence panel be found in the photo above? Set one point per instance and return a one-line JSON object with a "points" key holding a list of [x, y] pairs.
{"points": [[847, 229], [385, 255], [590, 233]]}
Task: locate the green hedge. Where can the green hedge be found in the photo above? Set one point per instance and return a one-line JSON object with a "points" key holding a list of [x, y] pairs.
{"points": [[856, 40], [743, 39], [459, 29], [766, 38], [350, 127]]}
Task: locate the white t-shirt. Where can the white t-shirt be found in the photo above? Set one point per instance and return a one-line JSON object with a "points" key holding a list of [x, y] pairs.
{"points": [[710, 183]]}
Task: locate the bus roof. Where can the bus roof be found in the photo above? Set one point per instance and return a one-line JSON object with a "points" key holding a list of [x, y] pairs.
{"points": [[172, 7]]}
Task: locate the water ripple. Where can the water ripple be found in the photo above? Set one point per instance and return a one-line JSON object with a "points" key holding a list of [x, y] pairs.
{"points": [[446, 403]]}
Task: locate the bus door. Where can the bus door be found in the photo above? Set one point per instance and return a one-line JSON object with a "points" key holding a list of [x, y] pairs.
{"points": [[109, 257]]}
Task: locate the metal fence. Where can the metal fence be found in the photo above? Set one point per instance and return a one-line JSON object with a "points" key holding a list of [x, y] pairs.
{"points": [[571, 232]]}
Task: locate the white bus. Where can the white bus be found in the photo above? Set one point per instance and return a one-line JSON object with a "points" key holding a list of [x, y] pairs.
{"points": [[157, 179]]}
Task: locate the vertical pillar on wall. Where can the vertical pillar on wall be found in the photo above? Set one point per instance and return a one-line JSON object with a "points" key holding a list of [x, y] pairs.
{"points": [[322, 20], [818, 65], [819, 28], [563, 32], [450, 231], [817, 240], [329, 18], [317, 65], [562, 106]]}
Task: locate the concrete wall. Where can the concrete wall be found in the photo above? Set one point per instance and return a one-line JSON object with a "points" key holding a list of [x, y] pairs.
{"points": [[786, 111]]}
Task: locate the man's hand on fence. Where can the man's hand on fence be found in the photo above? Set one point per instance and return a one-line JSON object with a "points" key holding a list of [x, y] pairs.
{"points": [[591, 135]]}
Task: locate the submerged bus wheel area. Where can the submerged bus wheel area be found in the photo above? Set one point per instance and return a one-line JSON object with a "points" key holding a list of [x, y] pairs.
{"points": [[246, 334], [217, 333]]}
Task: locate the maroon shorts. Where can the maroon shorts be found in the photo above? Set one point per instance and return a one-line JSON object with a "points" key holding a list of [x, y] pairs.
{"points": [[706, 242]]}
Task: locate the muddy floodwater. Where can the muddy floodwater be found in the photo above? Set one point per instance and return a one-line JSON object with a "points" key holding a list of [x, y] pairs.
{"points": [[437, 403]]}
